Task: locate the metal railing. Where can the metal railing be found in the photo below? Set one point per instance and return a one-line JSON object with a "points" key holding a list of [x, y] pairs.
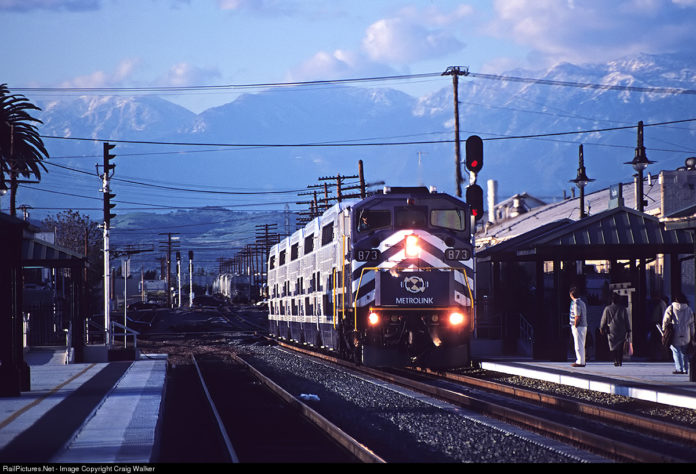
{"points": [[526, 339], [125, 333]]}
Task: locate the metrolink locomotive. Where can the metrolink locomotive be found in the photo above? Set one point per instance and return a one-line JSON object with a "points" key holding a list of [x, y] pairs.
{"points": [[383, 281]]}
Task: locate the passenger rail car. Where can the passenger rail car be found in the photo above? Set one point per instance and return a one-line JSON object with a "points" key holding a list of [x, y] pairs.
{"points": [[384, 281], [235, 287]]}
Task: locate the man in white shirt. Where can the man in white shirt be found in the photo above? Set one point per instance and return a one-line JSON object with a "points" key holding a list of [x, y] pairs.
{"points": [[578, 326]]}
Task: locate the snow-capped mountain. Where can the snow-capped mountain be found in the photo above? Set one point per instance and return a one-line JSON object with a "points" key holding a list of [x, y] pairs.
{"points": [[246, 144]]}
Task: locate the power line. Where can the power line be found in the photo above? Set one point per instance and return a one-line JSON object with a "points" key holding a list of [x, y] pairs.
{"points": [[178, 188], [226, 86], [584, 85], [497, 77], [349, 144]]}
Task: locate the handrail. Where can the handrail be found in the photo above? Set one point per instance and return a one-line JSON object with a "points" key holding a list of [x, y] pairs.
{"points": [[343, 278], [526, 329], [127, 330], [334, 297]]}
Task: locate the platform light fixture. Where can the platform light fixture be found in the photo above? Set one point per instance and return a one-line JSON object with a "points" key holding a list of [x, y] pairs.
{"points": [[581, 180], [639, 163]]}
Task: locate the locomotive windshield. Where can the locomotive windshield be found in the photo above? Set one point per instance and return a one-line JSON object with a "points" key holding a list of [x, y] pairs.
{"points": [[370, 220], [454, 219], [410, 217]]}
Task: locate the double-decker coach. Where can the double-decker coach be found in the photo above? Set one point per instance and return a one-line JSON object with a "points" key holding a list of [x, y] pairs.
{"points": [[385, 281]]}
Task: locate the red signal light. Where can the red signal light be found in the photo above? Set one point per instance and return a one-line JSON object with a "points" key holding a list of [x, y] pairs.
{"points": [[474, 153], [474, 198]]}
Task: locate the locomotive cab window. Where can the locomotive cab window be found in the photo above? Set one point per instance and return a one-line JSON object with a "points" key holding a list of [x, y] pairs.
{"points": [[410, 217], [294, 251], [454, 219], [281, 261], [370, 220]]}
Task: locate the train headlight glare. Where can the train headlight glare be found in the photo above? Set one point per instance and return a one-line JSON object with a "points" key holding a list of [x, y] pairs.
{"points": [[456, 318], [373, 319], [412, 247]]}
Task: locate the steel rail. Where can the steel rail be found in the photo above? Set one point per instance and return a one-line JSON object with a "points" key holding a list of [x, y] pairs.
{"points": [[360, 451], [221, 426], [597, 442], [656, 427]]}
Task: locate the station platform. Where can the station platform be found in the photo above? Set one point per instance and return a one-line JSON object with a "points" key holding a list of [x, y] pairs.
{"points": [[650, 381], [102, 412]]}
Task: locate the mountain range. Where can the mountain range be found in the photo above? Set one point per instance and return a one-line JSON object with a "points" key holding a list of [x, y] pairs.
{"points": [[531, 131]]}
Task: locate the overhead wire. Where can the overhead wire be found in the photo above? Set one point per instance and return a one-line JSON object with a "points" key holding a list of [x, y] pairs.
{"points": [[226, 146], [351, 144], [358, 80]]}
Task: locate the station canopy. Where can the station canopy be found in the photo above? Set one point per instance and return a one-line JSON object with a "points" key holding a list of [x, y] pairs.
{"points": [[618, 233]]}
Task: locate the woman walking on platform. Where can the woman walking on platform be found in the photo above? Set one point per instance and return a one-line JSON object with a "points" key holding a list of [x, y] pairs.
{"points": [[615, 325], [682, 319]]}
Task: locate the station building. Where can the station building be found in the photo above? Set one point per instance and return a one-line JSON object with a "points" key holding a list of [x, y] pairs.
{"points": [[38, 316], [529, 253]]}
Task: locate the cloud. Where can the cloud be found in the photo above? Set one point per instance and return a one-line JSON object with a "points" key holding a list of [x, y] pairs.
{"points": [[401, 40], [265, 7], [122, 74], [389, 44], [432, 16], [584, 31], [70, 5], [185, 74], [339, 64]]}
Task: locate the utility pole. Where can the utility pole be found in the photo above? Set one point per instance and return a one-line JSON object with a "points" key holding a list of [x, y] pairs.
{"points": [[190, 278], [169, 244], [178, 279], [125, 268], [361, 174], [455, 72]]}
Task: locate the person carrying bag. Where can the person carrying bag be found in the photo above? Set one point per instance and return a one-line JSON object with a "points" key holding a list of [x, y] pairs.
{"points": [[616, 327], [678, 332]]}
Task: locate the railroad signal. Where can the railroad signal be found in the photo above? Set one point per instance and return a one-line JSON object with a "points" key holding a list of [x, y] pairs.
{"points": [[108, 166], [474, 198], [474, 153], [108, 205]]}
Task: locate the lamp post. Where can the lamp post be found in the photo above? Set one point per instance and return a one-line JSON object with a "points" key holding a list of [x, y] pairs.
{"points": [[581, 180], [3, 188], [639, 163]]}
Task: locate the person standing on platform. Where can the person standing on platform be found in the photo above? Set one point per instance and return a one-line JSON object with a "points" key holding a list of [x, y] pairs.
{"points": [[682, 318], [578, 326], [616, 327]]}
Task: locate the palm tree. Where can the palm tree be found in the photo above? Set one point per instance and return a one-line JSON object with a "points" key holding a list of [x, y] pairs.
{"points": [[21, 148]]}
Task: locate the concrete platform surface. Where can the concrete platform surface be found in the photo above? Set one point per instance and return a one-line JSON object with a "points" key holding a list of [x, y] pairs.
{"points": [[651, 381], [106, 412]]}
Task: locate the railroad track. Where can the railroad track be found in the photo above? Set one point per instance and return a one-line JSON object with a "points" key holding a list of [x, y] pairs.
{"points": [[258, 421], [555, 417], [617, 435]]}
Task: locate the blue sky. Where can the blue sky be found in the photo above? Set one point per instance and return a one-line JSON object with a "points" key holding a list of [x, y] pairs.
{"points": [[155, 43]]}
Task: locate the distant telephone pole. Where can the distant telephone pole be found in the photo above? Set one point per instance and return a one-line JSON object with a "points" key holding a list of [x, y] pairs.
{"points": [[169, 244], [455, 72]]}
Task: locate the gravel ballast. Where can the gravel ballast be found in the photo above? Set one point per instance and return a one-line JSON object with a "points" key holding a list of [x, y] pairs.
{"points": [[397, 427]]}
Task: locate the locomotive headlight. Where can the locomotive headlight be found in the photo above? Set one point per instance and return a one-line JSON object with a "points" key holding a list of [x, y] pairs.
{"points": [[373, 319], [456, 318], [412, 247]]}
